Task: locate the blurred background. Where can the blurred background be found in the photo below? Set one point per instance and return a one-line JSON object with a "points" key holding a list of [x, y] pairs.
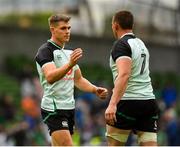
{"points": [[24, 27]]}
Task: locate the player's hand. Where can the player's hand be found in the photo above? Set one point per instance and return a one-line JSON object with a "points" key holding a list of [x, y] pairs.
{"points": [[110, 114], [75, 56], [101, 92]]}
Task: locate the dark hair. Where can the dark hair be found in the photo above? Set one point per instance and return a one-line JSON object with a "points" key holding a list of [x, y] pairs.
{"points": [[124, 19], [54, 19]]}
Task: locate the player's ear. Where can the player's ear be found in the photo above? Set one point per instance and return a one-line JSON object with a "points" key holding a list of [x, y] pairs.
{"points": [[52, 30], [116, 26]]}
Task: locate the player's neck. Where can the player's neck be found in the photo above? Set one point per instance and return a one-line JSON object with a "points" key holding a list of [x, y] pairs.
{"points": [[61, 44], [123, 32]]}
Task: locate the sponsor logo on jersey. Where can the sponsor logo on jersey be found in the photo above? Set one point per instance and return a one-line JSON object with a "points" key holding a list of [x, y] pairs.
{"points": [[67, 76], [59, 57]]}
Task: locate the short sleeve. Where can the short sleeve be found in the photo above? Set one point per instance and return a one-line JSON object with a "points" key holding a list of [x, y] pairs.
{"points": [[43, 56], [120, 48]]}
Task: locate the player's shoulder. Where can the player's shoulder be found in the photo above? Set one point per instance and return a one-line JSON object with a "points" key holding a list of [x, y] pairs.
{"points": [[43, 47], [125, 38], [46, 47], [123, 41]]}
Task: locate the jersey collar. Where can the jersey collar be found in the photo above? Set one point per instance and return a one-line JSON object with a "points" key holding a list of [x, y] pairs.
{"points": [[127, 34], [52, 42]]}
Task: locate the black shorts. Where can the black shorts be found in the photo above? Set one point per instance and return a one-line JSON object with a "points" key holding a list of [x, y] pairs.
{"points": [[137, 115], [59, 120]]}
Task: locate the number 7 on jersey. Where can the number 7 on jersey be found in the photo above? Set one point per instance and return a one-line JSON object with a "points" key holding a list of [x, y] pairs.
{"points": [[143, 56]]}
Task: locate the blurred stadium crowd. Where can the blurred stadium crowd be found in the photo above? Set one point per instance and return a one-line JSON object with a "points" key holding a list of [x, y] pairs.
{"points": [[20, 90]]}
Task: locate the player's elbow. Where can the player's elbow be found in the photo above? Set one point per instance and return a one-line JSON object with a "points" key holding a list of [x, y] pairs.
{"points": [[77, 83], [50, 82], [50, 79], [124, 75]]}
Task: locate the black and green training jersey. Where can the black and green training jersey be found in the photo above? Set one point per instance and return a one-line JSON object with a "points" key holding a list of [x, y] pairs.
{"points": [[139, 84], [59, 95]]}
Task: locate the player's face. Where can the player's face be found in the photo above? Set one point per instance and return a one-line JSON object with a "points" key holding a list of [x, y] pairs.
{"points": [[62, 31]]}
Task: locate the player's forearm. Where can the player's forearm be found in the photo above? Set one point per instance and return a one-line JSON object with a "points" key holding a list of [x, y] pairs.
{"points": [[58, 73], [119, 89], [84, 85]]}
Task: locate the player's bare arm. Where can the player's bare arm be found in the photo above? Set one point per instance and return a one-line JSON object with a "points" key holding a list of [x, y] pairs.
{"points": [[84, 85], [124, 70], [53, 74]]}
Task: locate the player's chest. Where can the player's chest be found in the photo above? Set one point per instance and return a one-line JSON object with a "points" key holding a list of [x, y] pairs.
{"points": [[60, 57]]}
